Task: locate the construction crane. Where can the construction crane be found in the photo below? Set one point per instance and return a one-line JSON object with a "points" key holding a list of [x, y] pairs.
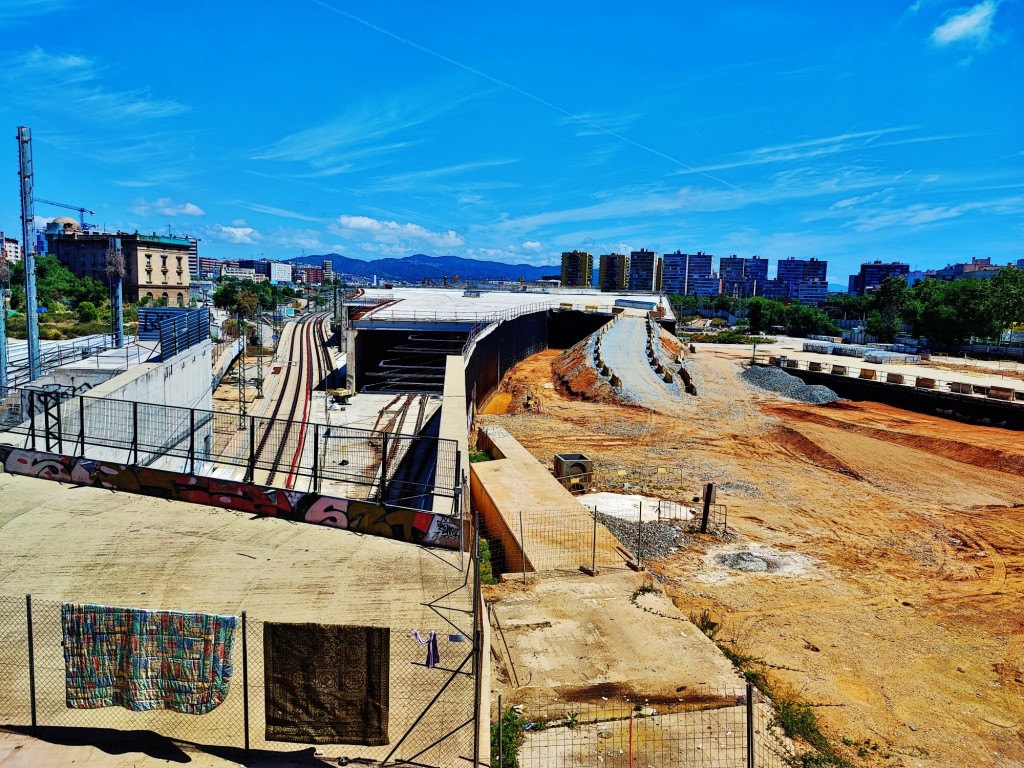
{"points": [[81, 211]]}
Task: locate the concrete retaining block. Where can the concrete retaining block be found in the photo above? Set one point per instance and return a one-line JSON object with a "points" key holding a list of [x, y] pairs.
{"points": [[838, 370], [894, 378], [923, 382], [1000, 393], [867, 373]]}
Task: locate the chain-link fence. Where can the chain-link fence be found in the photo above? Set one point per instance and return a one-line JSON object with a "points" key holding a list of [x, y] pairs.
{"points": [[589, 539], [727, 727], [427, 689]]}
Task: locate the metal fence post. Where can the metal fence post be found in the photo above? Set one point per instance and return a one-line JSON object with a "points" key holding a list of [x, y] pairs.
{"points": [[135, 430], [501, 736], [593, 549], [31, 658], [32, 414], [639, 547], [383, 467], [250, 466], [707, 507], [316, 458], [191, 441], [245, 682], [81, 424], [522, 544], [750, 725]]}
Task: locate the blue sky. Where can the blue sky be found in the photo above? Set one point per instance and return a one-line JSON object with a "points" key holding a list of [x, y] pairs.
{"points": [[516, 131]]}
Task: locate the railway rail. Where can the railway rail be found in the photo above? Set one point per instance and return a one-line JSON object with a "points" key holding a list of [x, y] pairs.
{"points": [[306, 348]]}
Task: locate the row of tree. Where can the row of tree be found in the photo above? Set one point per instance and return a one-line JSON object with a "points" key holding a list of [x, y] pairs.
{"points": [[246, 297], [945, 312], [56, 286], [942, 311]]}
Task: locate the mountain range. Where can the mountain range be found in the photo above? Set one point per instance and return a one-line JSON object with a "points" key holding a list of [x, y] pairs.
{"points": [[412, 269]]}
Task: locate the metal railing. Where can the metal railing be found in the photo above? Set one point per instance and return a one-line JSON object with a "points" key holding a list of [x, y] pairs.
{"points": [[403, 470]]}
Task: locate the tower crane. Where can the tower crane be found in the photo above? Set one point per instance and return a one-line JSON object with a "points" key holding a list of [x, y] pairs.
{"points": [[81, 211]]}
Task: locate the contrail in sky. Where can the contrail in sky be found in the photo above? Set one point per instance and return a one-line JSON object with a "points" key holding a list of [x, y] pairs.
{"points": [[521, 92]]}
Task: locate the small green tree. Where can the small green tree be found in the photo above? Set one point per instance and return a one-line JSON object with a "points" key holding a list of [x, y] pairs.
{"points": [[887, 308], [764, 313], [1008, 297], [87, 312]]}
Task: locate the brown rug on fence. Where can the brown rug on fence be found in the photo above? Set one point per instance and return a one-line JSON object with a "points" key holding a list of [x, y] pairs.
{"points": [[326, 684]]}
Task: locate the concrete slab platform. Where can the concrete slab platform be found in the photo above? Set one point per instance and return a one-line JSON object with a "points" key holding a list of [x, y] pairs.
{"points": [[450, 304], [63, 543]]}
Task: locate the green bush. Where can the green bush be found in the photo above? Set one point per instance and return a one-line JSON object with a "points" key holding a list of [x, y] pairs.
{"points": [[512, 733], [87, 312], [486, 570]]}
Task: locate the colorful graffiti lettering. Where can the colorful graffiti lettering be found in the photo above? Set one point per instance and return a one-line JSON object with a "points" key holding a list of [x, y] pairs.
{"points": [[365, 517]]}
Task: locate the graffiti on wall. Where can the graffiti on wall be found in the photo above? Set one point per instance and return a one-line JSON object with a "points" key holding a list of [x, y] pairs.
{"points": [[409, 525]]}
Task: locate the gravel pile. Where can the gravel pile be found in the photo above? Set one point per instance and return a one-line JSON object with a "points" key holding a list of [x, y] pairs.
{"points": [[656, 539], [777, 380], [748, 561]]}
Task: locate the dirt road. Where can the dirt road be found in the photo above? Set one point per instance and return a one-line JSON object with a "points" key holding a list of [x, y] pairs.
{"points": [[894, 542]]}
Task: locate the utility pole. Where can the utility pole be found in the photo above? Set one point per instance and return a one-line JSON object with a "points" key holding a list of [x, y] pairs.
{"points": [[259, 359], [29, 249], [4, 274], [341, 320], [243, 410], [337, 319], [115, 275]]}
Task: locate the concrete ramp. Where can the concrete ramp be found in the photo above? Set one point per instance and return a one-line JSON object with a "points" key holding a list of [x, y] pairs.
{"points": [[539, 524], [625, 351]]}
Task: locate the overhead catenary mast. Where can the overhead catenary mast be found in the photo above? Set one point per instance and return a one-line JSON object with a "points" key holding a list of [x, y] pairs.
{"points": [[3, 326], [29, 249]]}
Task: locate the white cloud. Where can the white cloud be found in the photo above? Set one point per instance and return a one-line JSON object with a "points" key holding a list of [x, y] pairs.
{"points": [[973, 25], [284, 213], [401, 180], [238, 235], [166, 207], [392, 233], [297, 238], [531, 245], [918, 214], [22, 10], [71, 84]]}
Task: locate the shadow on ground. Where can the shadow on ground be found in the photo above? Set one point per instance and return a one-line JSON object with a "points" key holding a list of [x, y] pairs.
{"points": [[118, 742]]}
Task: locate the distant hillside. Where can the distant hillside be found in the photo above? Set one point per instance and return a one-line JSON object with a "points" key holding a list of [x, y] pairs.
{"points": [[412, 269]]}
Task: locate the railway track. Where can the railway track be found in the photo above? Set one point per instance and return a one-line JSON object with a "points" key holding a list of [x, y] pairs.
{"points": [[279, 448], [391, 420]]}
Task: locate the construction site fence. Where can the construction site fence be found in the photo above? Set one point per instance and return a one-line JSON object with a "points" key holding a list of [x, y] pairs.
{"points": [[433, 711], [699, 726], [582, 538], [633, 479], [404, 470]]}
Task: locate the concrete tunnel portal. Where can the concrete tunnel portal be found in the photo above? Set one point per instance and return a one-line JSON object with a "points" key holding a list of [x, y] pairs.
{"points": [[391, 357]]}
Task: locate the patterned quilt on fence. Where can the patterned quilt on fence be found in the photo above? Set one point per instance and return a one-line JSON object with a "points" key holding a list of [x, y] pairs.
{"points": [[142, 660], [326, 684]]}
